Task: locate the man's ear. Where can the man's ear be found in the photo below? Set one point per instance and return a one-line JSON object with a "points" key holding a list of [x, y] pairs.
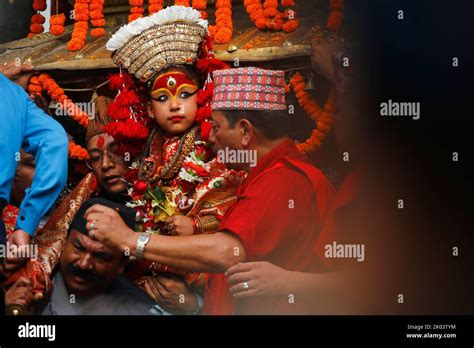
{"points": [[247, 131]]}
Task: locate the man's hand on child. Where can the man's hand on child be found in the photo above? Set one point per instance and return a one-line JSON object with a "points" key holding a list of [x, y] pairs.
{"points": [[179, 225]]}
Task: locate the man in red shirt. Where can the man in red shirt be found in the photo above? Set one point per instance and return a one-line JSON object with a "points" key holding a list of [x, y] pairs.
{"points": [[281, 208], [284, 202]]}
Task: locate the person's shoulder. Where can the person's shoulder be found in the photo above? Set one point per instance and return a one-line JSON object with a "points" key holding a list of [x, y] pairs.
{"points": [[8, 86]]}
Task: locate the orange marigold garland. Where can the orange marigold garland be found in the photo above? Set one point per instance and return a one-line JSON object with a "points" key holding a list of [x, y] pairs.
{"points": [[81, 26], [267, 16], [322, 117], [155, 6], [77, 151], [96, 13], [34, 86], [200, 5], [222, 31], [335, 16], [57, 94], [136, 10], [56, 24], [182, 3]]}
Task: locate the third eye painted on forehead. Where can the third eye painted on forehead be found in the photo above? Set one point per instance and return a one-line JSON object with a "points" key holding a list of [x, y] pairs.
{"points": [[171, 84]]}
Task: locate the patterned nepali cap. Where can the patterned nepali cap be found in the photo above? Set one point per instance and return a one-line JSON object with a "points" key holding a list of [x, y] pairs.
{"points": [[249, 89]]}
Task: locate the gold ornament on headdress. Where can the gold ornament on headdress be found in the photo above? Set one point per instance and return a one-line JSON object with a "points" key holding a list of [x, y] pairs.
{"points": [[169, 37]]}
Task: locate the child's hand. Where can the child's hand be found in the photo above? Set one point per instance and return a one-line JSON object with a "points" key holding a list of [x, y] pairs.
{"points": [[179, 225]]}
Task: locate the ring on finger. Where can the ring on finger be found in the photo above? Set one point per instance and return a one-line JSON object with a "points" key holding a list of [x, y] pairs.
{"points": [[92, 225], [245, 285]]}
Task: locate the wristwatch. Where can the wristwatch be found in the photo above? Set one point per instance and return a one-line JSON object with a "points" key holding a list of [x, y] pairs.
{"points": [[142, 240]]}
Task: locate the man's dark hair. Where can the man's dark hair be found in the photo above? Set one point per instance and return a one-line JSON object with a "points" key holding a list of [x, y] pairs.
{"points": [[272, 124]]}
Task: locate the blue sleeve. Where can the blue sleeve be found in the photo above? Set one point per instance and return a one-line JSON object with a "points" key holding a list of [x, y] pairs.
{"points": [[47, 141]]}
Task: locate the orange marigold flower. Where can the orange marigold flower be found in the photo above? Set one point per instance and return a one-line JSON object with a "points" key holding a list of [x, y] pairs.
{"points": [[134, 16], [261, 23], [136, 2], [134, 10], [270, 12], [270, 3], [291, 25], [98, 22], [56, 29], [200, 4], [98, 32], [153, 8], [58, 19], [287, 3]]}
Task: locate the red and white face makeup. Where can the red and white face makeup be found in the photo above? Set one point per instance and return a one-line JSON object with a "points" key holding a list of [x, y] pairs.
{"points": [[173, 102]]}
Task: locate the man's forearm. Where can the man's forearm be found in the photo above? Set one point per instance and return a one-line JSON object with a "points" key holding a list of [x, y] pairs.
{"points": [[213, 253]]}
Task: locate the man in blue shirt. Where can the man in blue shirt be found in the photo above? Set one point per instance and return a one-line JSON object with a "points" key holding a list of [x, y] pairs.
{"points": [[24, 125]]}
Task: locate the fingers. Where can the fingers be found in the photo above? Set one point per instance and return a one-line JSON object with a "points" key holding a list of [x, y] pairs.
{"points": [[160, 283], [247, 293], [149, 291], [170, 219], [22, 282], [96, 208], [240, 267], [239, 278]]}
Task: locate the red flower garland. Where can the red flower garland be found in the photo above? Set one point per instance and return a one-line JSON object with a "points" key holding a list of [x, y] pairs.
{"points": [[335, 16], [129, 111], [37, 20]]}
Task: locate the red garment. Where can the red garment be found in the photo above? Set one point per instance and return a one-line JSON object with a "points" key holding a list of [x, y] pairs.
{"points": [[280, 211]]}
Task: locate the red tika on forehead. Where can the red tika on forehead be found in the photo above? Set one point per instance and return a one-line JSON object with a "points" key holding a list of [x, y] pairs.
{"points": [[100, 142], [172, 81]]}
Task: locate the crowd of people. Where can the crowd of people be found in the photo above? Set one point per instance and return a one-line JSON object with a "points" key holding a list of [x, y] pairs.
{"points": [[172, 228]]}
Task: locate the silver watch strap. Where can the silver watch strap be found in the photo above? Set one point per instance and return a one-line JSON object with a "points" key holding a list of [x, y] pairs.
{"points": [[141, 243]]}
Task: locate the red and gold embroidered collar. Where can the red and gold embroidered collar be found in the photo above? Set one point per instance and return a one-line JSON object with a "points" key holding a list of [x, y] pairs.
{"points": [[171, 83]]}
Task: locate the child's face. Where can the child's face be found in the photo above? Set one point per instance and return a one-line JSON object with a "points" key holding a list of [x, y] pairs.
{"points": [[173, 102]]}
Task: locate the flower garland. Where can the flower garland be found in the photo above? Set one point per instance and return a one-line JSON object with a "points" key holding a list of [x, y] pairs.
{"points": [[136, 10], [57, 94], [335, 16], [155, 6], [322, 117], [182, 3], [56, 24], [200, 5], [37, 20], [222, 31], [131, 125], [206, 64], [77, 151], [44, 82], [96, 13], [267, 16], [81, 25], [34, 86]]}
